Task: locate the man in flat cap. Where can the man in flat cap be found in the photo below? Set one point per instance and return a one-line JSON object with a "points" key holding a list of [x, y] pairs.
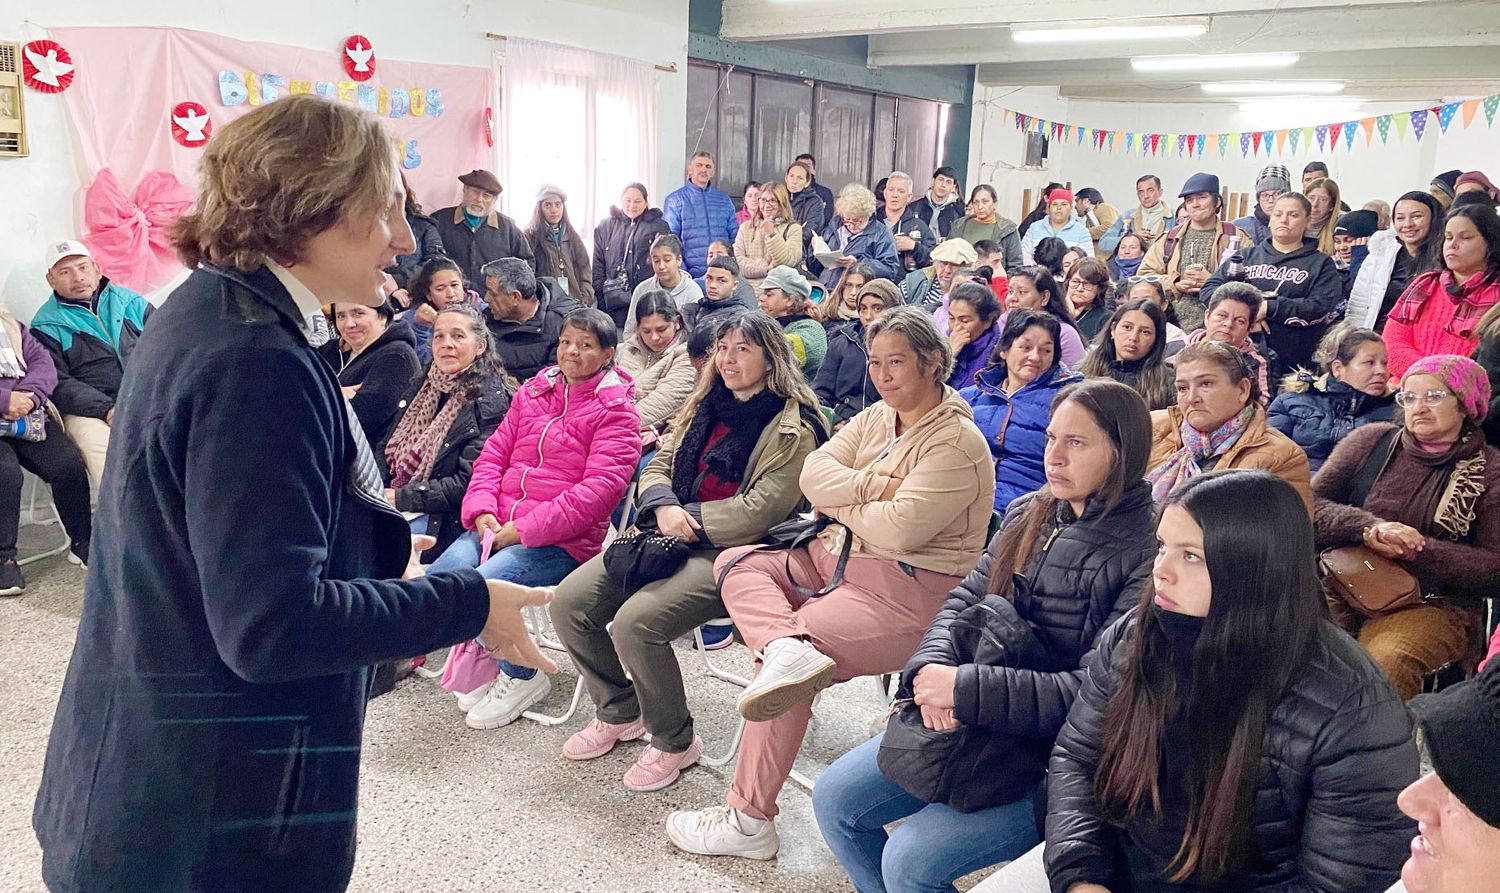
{"points": [[474, 233]]}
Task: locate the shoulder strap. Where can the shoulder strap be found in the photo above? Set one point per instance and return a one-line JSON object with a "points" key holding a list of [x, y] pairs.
{"points": [[1380, 456]]}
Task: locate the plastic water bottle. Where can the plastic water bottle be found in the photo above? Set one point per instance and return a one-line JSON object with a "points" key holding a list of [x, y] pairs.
{"points": [[1231, 251], [18, 428]]}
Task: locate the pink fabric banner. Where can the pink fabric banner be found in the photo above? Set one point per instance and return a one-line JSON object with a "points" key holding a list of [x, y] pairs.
{"points": [[129, 81]]}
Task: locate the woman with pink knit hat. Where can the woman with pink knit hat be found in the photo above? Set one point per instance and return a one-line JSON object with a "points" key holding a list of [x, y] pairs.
{"points": [[1426, 495]]}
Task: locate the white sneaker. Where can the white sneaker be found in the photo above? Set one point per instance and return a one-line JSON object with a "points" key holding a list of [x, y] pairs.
{"points": [[792, 672], [723, 831], [506, 699], [467, 699]]}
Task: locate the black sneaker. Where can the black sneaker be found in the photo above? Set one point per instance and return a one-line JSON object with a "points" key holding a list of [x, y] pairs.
{"points": [[78, 553], [11, 580]]}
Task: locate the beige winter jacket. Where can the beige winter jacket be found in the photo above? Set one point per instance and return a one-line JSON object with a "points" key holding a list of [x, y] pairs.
{"points": [[757, 253], [926, 502], [662, 384]]}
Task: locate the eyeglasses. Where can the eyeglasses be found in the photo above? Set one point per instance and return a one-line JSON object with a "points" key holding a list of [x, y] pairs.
{"points": [[1409, 399], [1149, 277]]}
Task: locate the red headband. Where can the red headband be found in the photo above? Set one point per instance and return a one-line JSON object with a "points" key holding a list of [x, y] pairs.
{"points": [[1062, 195]]}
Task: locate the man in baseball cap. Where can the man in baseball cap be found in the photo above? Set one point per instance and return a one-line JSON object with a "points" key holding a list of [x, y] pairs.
{"points": [[1457, 806], [89, 325], [474, 233]]}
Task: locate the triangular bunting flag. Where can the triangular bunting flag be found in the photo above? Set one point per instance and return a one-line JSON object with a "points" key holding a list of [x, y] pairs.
{"points": [[1419, 123], [1445, 115], [1490, 104], [1192, 144], [1296, 136], [1266, 140], [1281, 142], [1334, 131], [1254, 140], [1080, 134], [1129, 143], [1349, 133], [1402, 122], [1181, 144], [1368, 124], [1223, 144], [1307, 137], [1202, 143], [1470, 108], [1322, 136]]}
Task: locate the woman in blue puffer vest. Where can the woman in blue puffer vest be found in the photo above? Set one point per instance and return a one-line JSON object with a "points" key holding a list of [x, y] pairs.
{"points": [[1318, 412], [1012, 400]]}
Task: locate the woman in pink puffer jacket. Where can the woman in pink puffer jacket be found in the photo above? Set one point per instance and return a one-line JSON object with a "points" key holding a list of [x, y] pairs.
{"points": [[545, 484]]}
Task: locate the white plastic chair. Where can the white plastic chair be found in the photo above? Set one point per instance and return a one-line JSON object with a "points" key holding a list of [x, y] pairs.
{"points": [[51, 517]]}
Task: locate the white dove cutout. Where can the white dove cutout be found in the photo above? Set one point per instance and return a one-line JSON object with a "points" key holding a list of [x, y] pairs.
{"points": [[360, 55], [194, 124], [48, 68]]}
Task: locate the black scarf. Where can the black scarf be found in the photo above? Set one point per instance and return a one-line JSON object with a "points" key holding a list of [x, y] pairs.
{"points": [[729, 457], [785, 321]]}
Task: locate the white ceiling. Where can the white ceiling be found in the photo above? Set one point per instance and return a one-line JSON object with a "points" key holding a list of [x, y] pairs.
{"points": [[1416, 50]]}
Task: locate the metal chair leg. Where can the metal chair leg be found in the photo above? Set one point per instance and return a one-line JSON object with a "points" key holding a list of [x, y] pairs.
{"points": [[546, 720]]}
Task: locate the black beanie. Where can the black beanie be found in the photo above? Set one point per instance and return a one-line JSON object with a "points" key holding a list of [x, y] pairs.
{"points": [[1460, 726], [1447, 181], [1357, 224]]}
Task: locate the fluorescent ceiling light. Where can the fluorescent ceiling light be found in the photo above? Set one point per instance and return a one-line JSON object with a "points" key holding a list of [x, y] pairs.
{"points": [[1213, 62], [1105, 29], [1272, 88]]}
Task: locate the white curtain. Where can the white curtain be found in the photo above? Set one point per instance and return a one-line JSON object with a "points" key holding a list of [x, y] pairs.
{"points": [[580, 120]]}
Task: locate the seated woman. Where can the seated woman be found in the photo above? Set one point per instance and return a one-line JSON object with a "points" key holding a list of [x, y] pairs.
{"points": [[1184, 766], [375, 360], [1083, 543], [437, 285], [841, 304], [1049, 255], [843, 383], [909, 483], [656, 356], [785, 296], [973, 329], [857, 238], [1152, 287], [1131, 349], [1441, 309], [772, 237], [1127, 257], [1432, 506], [556, 501], [727, 478], [1218, 423], [1319, 412], [445, 418], [1087, 289], [1033, 288], [1071, 258], [27, 379], [1012, 400], [1230, 315]]}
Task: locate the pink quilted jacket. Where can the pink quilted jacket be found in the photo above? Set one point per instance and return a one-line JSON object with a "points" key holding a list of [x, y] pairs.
{"points": [[560, 461]]}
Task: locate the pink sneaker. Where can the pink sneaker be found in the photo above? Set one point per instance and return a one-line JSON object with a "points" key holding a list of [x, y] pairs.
{"points": [[657, 769], [599, 737]]}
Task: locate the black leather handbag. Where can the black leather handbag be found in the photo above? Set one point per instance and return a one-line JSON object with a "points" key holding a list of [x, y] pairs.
{"points": [[643, 557], [967, 768]]}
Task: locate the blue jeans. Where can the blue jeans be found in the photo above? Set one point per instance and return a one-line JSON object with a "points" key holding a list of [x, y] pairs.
{"points": [[854, 801], [542, 566]]}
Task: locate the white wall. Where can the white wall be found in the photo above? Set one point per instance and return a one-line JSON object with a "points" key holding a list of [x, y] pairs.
{"points": [[1363, 173], [40, 196]]}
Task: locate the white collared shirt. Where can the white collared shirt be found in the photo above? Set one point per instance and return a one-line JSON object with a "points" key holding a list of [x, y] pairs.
{"points": [[307, 303]]}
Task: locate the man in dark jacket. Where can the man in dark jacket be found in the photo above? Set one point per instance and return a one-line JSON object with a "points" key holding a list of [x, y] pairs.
{"points": [[724, 293], [942, 206], [473, 233], [89, 325], [700, 214], [526, 315], [209, 730], [823, 192], [914, 240]]}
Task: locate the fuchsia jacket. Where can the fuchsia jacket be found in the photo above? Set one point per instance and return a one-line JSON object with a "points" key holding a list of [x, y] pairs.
{"points": [[560, 461]]}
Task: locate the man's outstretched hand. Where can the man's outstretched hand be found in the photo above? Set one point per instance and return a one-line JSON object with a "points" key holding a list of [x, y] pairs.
{"points": [[505, 634]]}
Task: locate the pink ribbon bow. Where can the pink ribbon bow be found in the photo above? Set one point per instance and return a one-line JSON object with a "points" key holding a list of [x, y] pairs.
{"points": [[128, 235]]}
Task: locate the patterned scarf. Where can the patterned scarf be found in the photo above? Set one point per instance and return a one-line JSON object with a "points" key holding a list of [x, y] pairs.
{"points": [[12, 364], [413, 447], [1197, 447]]}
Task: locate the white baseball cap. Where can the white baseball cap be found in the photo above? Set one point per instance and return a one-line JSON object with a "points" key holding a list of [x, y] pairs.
{"points": [[67, 248]]}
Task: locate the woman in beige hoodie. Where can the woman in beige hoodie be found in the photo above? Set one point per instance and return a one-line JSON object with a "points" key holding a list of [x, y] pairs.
{"points": [[910, 484]]}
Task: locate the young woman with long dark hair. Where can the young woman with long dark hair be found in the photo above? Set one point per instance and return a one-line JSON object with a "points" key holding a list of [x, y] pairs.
{"points": [[1227, 735], [1410, 247], [1441, 309], [1131, 348]]}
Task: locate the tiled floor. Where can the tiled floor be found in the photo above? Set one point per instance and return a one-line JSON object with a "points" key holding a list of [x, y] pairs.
{"points": [[444, 808]]}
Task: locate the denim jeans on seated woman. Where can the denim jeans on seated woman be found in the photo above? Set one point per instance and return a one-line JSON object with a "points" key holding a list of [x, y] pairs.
{"points": [[854, 801], [540, 566]]}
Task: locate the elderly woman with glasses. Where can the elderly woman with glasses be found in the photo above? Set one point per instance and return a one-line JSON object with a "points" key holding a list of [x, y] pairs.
{"points": [[1424, 493]]}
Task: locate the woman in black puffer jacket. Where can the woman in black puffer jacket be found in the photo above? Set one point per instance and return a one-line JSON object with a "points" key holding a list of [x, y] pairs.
{"points": [[1082, 549], [622, 250], [1227, 736]]}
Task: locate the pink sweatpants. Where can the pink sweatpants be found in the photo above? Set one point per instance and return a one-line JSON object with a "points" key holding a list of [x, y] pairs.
{"points": [[871, 624]]}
